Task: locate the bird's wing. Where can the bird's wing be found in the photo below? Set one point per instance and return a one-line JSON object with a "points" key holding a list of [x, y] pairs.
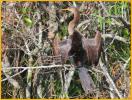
{"points": [[98, 40], [65, 47], [92, 49]]}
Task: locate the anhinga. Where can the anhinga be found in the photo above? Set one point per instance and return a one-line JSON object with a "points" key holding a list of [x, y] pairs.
{"points": [[84, 50]]}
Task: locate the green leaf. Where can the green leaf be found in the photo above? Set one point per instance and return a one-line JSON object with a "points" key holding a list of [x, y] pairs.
{"points": [[28, 21], [125, 32]]}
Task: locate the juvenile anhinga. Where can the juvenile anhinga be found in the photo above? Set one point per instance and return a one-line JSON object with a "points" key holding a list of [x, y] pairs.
{"points": [[84, 50]]}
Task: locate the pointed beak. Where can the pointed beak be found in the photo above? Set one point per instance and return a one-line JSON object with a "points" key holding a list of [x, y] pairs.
{"points": [[65, 9]]}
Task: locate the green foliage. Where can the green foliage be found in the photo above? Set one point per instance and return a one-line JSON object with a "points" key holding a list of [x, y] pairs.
{"points": [[63, 31], [28, 21]]}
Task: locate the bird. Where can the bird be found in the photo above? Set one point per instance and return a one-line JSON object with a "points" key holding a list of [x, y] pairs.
{"points": [[84, 50]]}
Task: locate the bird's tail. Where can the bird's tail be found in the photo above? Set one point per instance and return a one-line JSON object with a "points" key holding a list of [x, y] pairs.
{"points": [[86, 80]]}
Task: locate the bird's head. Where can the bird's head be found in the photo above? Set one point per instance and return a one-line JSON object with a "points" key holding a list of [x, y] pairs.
{"points": [[71, 9]]}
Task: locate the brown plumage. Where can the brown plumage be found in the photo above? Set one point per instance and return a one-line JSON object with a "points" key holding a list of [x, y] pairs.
{"points": [[84, 50], [93, 48]]}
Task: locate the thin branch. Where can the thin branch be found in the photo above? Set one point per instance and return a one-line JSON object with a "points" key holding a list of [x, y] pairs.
{"points": [[115, 37], [125, 65], [110, 43], [82, 23], [13, 75], [12, 81], [109, 79], [37, 67]]}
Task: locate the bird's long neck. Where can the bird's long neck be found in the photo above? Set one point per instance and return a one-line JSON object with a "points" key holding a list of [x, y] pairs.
{"points": [[56, 45], [75, 35], [73, 23]]}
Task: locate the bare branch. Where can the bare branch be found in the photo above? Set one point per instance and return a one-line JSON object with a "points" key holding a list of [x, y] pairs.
{"points": [[13, 75], [109, 79], [37, 67], [12, 81], [115, 37]]}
